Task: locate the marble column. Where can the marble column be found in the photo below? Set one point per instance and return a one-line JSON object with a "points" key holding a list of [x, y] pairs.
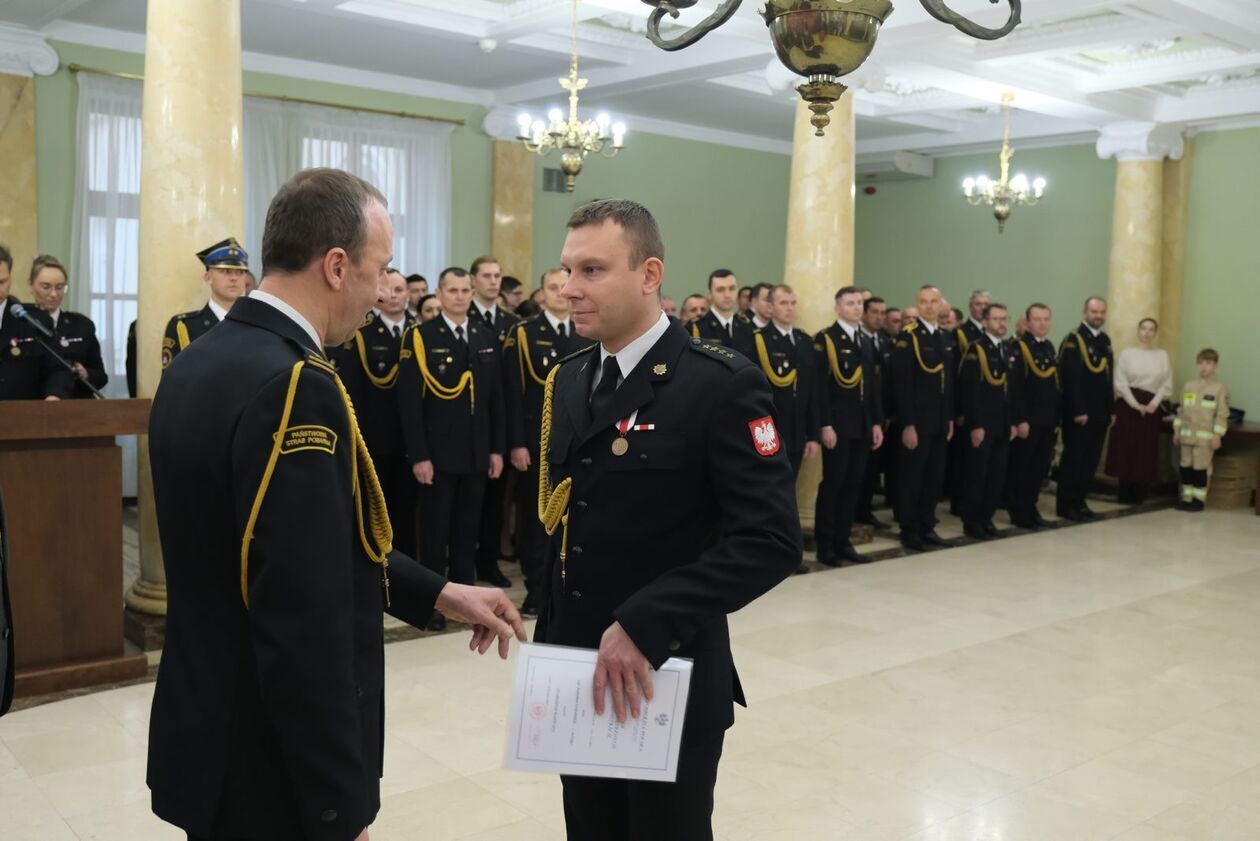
{"points": [[512, 225], [22, 54], [1172, 280], [1135, 272], [820, 237], [191, 194]]}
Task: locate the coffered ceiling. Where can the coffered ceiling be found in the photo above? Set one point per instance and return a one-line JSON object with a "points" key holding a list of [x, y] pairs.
{"points": [[1073, 65]]}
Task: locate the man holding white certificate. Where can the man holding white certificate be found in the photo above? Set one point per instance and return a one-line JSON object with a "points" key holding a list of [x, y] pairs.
{"points": [[671, 504]]}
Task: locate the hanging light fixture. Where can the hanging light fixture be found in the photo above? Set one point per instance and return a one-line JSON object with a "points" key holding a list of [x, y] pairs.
{"points": [[821, 40], [1005, 193], [573, 137]]}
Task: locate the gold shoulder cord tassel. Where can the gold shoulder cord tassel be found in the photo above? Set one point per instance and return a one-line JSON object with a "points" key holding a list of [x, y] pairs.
{"points": [[763, 356], [433, 384], [553, 503], [938, 368], [1031, 363], [384, 382], [527, 364], [1093, 369], [857, 380], [987, 372]]}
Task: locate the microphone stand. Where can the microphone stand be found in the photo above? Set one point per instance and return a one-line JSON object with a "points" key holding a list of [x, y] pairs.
{"points": [[41, 329]]}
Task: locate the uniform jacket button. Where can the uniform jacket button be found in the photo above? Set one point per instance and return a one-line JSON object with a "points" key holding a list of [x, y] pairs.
{"points": [[358, 691], [642, 456], [581, 505], [577, 594], [328, 816], [576, 550], [586, 461], [674, 645]]}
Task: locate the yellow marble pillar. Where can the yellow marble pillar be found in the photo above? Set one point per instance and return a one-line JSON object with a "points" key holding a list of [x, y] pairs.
{"points": [[17, 162], [191, 194], [512, 227], [820, 237], [1172, 280], [1137, 253]]}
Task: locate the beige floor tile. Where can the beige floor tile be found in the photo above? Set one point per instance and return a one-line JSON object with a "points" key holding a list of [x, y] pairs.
{"points": [[951, 779], [1025, 816], [445, 812], [74, 747]]}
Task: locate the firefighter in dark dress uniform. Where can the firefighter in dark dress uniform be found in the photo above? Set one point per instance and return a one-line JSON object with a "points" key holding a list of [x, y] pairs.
{"points": [[226, 270]]}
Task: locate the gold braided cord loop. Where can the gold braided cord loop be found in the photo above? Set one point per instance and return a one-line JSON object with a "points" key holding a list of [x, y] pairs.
{"points": [[938, 368], [986, 372], [384, 382], [963, 341], [1101, 367], [856, 380], [181, 331], [553, 503], [1030, 363], [763, 356], [433, 384], [381, 535], [527, 364]]}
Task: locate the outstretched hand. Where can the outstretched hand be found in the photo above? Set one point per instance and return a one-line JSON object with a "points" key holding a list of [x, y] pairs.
{"points": [[489, 611]]}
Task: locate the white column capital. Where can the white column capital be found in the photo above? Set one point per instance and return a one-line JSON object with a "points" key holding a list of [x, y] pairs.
{"points": [[500, 122], [1140, 141], [26, 53]]}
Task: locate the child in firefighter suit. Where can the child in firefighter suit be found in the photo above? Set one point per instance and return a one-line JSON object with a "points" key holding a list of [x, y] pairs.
{"points": [[1202, 419]]}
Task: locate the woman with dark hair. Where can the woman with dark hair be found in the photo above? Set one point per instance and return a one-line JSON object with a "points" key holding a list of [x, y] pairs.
{"points": [[1143, 380], [428, 308]]}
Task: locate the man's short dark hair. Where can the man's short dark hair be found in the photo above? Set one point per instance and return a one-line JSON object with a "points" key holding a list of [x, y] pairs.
{"points": [[1037, 306], [891, 310], [6, 256], [782, 287], [450, 270], [509, 284], [847, 290], [719, 274], [637, 224], [416, 278], [1207, 355], [693, 295], [481, 261], [758, 288], [314, 212], [741, 289], [528, 308], [991, 307], [958, 314], [866, 305]]}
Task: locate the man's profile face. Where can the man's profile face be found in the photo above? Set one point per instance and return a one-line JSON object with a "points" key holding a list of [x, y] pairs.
{"points": [[605, 292], [226, 284], [745, 298], [455, 295], [512, 300], [1096, 313], [783, 307], [486, 282], [363, 282], [762, 305], [873, 316], [723, 294], [393, 302], [6, 280]]}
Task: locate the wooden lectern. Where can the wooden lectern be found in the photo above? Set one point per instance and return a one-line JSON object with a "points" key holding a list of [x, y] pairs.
{"points": [[61, 474]]}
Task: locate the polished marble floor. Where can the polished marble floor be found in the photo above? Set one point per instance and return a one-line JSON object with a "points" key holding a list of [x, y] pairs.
{"points": [[1097, 682]]}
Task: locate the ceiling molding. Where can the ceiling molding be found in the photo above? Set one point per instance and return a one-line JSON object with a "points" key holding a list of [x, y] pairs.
{"points": [[26, 53]]}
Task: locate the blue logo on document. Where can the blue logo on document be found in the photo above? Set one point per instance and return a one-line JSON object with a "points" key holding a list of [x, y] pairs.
{"points": [[662, 719]]}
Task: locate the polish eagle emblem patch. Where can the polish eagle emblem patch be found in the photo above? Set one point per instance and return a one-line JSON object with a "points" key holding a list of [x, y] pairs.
{"points": [[765, 436]]}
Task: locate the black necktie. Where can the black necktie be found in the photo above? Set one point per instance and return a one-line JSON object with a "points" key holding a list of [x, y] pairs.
{"points": [[489, 316], [730, 329], [603, 393], [459, 334], [560, 331], [397, 332]]}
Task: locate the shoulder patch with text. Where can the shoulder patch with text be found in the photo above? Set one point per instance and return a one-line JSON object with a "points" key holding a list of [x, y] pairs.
{"points": [[299, 438]]}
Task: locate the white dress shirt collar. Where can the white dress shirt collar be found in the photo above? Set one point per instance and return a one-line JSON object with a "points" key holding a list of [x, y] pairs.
{"points": [[218, 311], [849, 331], [556, 322], [756, 319], [493, 309], [452, 325], [928, 326], [1091, 330], [978, 325], [725, 322], [785, 331], [55, 315], [391, 323], [996, 341], [287, 309], [632, 354]]}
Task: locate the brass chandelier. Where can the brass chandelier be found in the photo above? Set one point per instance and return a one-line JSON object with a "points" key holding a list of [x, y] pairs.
{"points": [[821, 40], [574, 137], [1005, 193]]}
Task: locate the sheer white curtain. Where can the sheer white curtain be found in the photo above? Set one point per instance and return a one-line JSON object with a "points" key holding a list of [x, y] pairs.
{"points": [[407, 160]]}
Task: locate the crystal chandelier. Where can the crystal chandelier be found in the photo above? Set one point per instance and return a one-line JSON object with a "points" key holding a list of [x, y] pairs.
{"points": [[1005, 193], [821, 40], [574, 138]]}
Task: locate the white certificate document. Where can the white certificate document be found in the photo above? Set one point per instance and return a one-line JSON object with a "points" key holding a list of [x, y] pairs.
{"points": [[552, 726]]}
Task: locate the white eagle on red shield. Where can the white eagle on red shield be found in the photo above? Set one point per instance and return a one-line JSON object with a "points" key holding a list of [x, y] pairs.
{"points": [[765, 436]]}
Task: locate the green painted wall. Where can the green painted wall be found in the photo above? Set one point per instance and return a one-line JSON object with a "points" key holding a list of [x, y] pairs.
{"points": [[1223, 261], [56, 100], [915, 232], [717, 207]]}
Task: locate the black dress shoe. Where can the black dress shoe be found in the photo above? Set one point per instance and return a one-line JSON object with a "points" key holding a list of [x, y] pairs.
{"points": [[437, 622], [496, 578], [975, 532], [912, 541], [1072, 516], [828, 559], [1182, 505], [1040, 521], [529, 608], [803, 569], [876, 522], [931, 538], [1088, 513], [990, 529], [852, 555]]}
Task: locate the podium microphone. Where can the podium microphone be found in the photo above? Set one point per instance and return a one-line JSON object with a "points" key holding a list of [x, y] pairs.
{"points": [[19, 311]]}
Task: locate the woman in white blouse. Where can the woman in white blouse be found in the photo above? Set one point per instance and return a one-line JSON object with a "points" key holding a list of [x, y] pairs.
{"points": [[1143, 380]]}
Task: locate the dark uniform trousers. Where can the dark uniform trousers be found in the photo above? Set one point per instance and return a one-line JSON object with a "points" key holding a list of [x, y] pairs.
{"points": [[923, 384], [692, 521], [75, 339], [789, 366], [986, 406], [490, 528], [367, 365], [1085, 392], [957, 474], [456, 428], [268, 714], [876, 462], [739, 338], [851, 410], [530, 350], [1037, 403]]}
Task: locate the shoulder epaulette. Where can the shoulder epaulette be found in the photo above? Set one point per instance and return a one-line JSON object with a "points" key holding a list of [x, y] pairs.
{"points": [[743, 317], [317, 362], [712, 350], [578, 353], [183, 315]]}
